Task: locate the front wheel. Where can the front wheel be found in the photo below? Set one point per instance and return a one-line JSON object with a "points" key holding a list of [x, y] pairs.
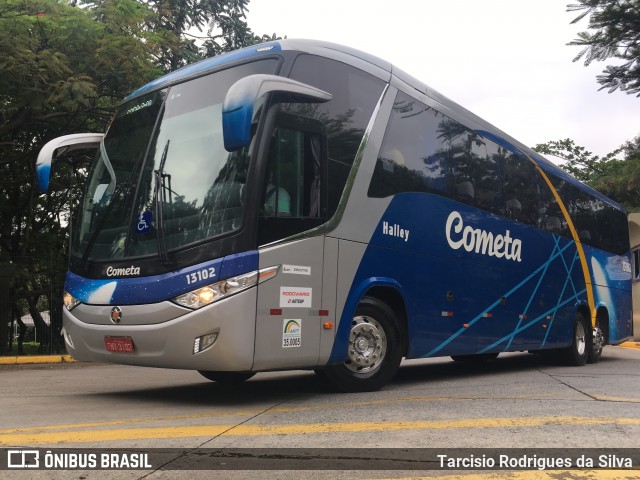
{"points": [[226, 378], [374, 350], [577, 353]]}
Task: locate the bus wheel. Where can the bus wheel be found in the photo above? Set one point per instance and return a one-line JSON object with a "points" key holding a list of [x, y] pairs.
{"points": [[595, 352], [577, 353], [226, 378], [374, 350]]}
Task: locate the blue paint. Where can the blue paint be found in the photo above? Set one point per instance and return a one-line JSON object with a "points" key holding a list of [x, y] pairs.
{"points": [[498, 304], [43, 174], [210, 64], [158, 288]]}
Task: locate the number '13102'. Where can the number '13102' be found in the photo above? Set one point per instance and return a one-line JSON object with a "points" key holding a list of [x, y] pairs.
{"points": [[200, 275]]}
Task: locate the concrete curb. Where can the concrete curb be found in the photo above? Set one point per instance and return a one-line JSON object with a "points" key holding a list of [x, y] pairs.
{"points": [[36, 359]]}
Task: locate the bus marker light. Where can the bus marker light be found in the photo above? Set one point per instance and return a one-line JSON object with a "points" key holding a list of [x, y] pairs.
{"points": [[447, 314], [275, 311], [323, 313], [522, 317], [216, 291], [327, 325], [465, 325], [544, 326], [487, 315]]}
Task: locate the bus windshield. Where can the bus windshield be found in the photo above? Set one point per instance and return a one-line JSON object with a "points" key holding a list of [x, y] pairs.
{"points": [[162, 178]]}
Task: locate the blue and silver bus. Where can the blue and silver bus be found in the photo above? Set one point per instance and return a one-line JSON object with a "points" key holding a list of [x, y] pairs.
{"points": [[303, 205]]}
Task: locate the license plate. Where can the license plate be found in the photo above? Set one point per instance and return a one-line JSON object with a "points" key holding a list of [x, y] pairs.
{"points": [[119, 344]]}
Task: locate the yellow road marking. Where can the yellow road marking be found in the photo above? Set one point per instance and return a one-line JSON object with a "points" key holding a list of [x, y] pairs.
{"points": [[279, 410], [83, 436]]}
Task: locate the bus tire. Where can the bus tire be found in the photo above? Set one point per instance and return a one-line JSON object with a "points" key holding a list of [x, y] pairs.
{"points": [[577, 353], [226, 378], [374, 351], [598, 342]]}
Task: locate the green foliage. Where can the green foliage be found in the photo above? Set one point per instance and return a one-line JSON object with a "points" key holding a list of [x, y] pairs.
{"points": [[615, 33], [618, 178], [65, 68]]}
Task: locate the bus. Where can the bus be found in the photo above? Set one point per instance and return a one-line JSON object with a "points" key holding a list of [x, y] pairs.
{"points": [[304, 205]]}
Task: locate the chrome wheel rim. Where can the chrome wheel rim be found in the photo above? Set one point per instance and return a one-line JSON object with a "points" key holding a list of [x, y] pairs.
{"points": [[367, 345], [581, 339], [598, 340]]}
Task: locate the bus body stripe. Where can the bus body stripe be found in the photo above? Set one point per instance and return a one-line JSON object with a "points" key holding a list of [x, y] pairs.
{"points": [[576, 239]]}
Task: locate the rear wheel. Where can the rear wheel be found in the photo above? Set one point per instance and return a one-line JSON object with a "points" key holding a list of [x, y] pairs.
{"points": [[577, 353], [374, 351], [598, 343], [226, 378]]}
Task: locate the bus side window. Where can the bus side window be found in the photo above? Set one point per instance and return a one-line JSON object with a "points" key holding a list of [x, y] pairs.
{"points": [[294, 192]]}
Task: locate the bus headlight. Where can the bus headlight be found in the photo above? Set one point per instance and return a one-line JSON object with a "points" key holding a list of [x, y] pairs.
{"points": [[217, 291], [70, 301]]}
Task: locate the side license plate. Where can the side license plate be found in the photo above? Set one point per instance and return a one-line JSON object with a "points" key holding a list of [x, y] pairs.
{"points": [[119, 344]]}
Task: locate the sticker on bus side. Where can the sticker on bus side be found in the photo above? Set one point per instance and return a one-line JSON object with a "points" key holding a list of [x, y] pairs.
{"points": [[296, 269], [291, 333], [295, 297]]}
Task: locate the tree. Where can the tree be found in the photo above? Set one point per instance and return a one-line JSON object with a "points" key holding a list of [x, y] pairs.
{"points": [[65, 69], [63, 72], [618, 178], [616, 34], [190, 30]]}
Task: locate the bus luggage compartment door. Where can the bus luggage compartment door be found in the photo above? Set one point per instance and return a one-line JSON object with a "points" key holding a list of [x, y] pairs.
{"points": [[289, 321]]}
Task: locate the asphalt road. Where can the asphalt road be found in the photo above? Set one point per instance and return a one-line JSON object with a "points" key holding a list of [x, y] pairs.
{"points": [[516, 401]]}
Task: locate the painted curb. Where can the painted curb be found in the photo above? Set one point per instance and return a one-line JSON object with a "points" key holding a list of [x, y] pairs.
{"points": [[634, 345], [36, 359]]}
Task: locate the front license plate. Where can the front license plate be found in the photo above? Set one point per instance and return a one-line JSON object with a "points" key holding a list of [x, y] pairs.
{"points": [[119, 344]]}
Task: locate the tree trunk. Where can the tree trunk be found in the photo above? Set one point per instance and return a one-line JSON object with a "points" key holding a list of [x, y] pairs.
{"points": [[43, 335]]}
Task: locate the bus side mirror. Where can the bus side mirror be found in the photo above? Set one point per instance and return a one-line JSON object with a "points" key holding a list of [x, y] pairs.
{"points": [[239, 104], [57, 147]]}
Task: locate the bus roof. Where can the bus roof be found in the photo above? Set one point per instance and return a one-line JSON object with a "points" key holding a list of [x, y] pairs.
{"points": [[368, 62]]}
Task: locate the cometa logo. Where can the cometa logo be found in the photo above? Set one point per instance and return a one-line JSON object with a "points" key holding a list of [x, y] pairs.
{"points": [[122, 272], [480, 241]]}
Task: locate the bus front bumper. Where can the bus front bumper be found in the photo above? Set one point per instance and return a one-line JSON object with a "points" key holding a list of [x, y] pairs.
{"points": [[164, 334]]}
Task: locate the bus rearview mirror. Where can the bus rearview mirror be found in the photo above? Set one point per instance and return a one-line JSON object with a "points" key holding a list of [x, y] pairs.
{"points": [[57, 147], [239, 104]]}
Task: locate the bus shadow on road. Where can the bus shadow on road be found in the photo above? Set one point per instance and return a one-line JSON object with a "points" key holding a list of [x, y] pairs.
{"points": [[277, 387], [443, 368]]}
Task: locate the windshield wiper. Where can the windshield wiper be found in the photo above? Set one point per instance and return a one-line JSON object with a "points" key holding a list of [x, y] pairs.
{"points": [[113, 200], [112, 191], [159, 200]]}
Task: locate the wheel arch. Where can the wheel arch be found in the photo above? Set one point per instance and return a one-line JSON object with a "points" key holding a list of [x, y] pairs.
{"points": [[602, 317], [584, 310], [392, 297], [384, 289]]}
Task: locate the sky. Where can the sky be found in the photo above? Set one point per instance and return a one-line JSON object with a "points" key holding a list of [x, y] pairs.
{"points": [[506, 61]]}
